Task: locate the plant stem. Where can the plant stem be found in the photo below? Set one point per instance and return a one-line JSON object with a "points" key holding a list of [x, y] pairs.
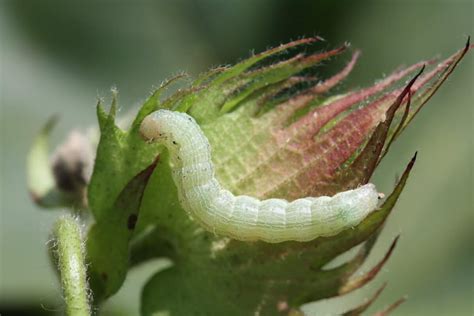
{"points": [[70, 256]]}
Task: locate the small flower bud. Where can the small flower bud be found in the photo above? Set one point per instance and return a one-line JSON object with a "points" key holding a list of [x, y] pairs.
{"points": [[72, 163]]}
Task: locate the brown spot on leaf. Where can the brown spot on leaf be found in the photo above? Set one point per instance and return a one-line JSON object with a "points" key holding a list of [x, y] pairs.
{"points": [[132, 221]]}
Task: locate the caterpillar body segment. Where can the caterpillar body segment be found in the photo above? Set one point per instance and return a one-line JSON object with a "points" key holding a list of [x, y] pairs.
{"points": [[243, 217]]}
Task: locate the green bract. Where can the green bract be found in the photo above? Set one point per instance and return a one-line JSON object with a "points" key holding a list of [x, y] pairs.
{"points": [[275, 131]]}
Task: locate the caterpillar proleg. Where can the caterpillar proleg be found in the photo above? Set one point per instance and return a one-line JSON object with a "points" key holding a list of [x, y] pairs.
{"points": [[243, 217]]}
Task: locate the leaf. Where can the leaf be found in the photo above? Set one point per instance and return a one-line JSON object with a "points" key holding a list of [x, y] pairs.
{"points": [[108, 239], [120, 156]]}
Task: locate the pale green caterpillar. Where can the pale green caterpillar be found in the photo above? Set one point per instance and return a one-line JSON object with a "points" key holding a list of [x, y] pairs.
{"points": [[243, 217]]}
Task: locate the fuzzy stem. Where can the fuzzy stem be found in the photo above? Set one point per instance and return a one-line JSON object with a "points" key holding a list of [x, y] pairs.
{"points": [[70, 258]]}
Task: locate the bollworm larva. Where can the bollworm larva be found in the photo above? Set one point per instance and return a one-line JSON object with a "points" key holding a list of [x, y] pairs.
{"points": [[243, 217]]}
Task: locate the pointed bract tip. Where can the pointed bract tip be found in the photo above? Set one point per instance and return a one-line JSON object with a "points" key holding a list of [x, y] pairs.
{"points": [[412, 161], [99, 104], [392, 247], [50, 123], [412, 81], [420, 72], [358, 282], [407, 88], [309, 40], [319, 38], [378, 292], [391, 307], [113, 106], [368, 302], [148, 171], [157, 159]]}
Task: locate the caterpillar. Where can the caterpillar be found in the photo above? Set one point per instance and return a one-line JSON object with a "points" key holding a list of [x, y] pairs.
{"points": [[244, 217]]}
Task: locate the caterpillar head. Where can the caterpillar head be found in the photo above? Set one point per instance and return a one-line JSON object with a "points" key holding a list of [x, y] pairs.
{"points": [[169, 128], [156, 127]]}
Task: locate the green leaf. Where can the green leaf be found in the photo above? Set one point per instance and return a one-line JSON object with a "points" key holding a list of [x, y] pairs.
{"points": [[120, 156], [108, 239]]}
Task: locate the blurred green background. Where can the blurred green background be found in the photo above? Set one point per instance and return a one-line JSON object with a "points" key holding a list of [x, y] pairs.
{"points": [[58, 56]]}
